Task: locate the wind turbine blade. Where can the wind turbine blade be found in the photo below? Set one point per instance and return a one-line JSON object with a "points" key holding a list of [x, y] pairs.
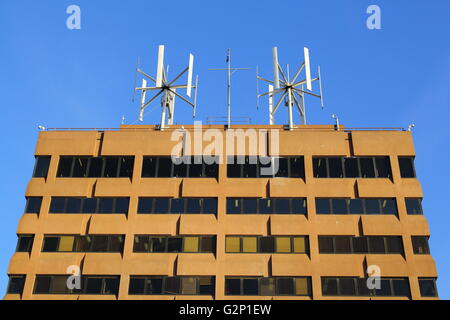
{"points": [[141, 111], [320, 86], [160, 66], [189, 80], [195, 97], [307, 69], [276, 76], [135, 79], [270, 105]]}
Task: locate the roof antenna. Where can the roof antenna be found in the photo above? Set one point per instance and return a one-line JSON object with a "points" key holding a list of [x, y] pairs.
{"points": [[291, 89], [229, 84], [411, 126], [336, 118], [167, 89]]}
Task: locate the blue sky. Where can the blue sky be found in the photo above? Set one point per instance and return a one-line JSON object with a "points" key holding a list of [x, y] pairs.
{"points": [[391, 77]]}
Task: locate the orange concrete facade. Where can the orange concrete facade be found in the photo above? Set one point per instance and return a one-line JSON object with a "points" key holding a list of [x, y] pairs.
{"points": [[139, 141]]}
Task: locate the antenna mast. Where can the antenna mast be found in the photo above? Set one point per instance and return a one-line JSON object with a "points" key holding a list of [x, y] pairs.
{"points": [[167, 89], [228, 68], [290, 89]]}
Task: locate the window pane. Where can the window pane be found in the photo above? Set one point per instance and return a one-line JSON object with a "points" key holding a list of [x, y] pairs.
{"points": [[265, 206], [385, 289], [99, 243], [394, 245], [141, 244], [177, 205], [136, 286], [250, 205], [428, 288], [179, 168], [95, 167], [154, 285], [233, 168], [206, 285], [115, 243], [249, 244], [188, 285], [342, 245], [233, 244], [250, 167], [73, 205], [406, 167], [335, 165], [299, 206], [126, 167], [326, 244], [283, 244], [57, 205], [300, 244], [376, 245], [233, 286], [66, 243], [210, 205], [105, 205], [25, 243], [297, 167], [401, 287], [363, 290], [283, 165], [50, 244], [208, 244], [16, 284], [190, 244], [339, 206], [161, 205], [149, 167], [111, 167], [41, 167], [320, 167], [250, 287], [111, 286], [172, 285], [42, 284], [347, 287], [383, 167], [196, 167], [329, 286], [360, 245], [233, 205], [414, 205], [389, 206], [194, 205], [174, 244], [285, 286], [420, 245], [122, 204], [94, 285], [33, 205], [267, 286], [83, 244], [323, 206], [80, 167], [351, 167], [282, 206], [158, 245], [59, 285], [367, 167], [211, 170], [164, 167], [355, 206], [266, 245], [372, 206], [145, 205], [301, 286], [64, 167], [89, 205]]}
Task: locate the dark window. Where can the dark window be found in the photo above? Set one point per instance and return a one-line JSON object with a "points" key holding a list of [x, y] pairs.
{"points": [[196, 167], [33, 205], [383, 166], [172, 285], [115, 243], [41, 166], [250, 205], [161, 205], [233, 205], [428, 287], [363, 290], [266, 206], [329, 286], [25, 243], [267, 287], [250, 287], [342, 245], [283, 167], [111, 167], [299, 206], [285, 286], [89, 205], [326, 244], [420, 245], [95, 167], [126, 167], [122, 205], [174, 244], [137, 286], [50, 244], [389, 206], [207, 244], [154, 286], [414, 205], [323, 206], [347, 287], [297, 167], [145, 205], [266, 244], [356, 206], [407, 167], [179, 168], [80, 167], [42, 284], [372, 206], [210, 205], [105, 205], [339, 206], [149, 167], [177, 205], [233, 168], [376, 245], [141, 244], [16, 284], [320, 167], [73, 205], [367, 167], [351, 167], [65, 167], [100, 243], [164, 167], [385, 288], [94, 285], [282, 206], [212, 170], [57, 205], [335, 167], [250, 167], [360, 245], [232, 286], [84, 244], [401, 287], [194, 205], [394, 245], [111, 286]]}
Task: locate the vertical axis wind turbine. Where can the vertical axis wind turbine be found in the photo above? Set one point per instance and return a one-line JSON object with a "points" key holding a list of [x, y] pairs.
{"points": [[292, 90], [167, 89]]}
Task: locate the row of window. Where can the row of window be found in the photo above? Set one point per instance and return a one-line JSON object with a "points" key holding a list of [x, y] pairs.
{"points": [[233, 244], [237, 167], [205, 285], [163, 205]]}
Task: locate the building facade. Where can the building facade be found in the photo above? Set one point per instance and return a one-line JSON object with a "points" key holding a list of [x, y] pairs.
{"points": [[110, 215]]}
